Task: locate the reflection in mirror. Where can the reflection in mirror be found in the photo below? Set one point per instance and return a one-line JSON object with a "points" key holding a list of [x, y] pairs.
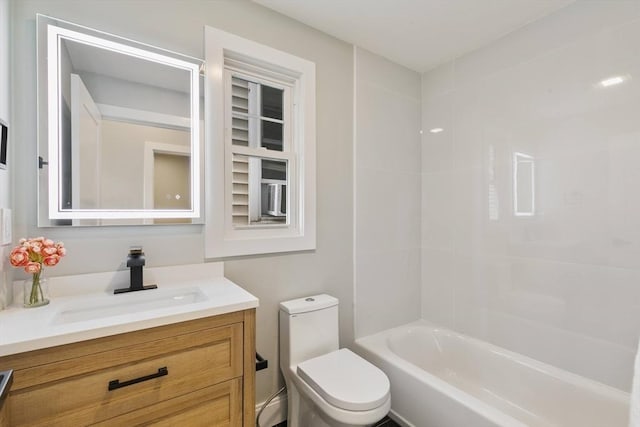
{"points": [[119, 128], [523, 185], [259, 191]]}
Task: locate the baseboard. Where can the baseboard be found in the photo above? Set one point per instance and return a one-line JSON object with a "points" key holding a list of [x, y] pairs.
{"points": [[275, 412]]}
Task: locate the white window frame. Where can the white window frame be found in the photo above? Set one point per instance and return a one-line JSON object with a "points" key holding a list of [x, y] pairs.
{"points": [[225, 51]]}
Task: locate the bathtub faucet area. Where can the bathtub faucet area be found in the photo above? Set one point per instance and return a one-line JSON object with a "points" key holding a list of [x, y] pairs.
{"points": [[135, 261]]}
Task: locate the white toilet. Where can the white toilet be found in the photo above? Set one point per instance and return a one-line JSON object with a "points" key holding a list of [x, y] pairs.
{"points": [[326, 386]]}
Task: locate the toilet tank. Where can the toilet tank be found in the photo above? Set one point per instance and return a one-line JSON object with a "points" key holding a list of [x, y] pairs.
{"points": [[308, 328]]}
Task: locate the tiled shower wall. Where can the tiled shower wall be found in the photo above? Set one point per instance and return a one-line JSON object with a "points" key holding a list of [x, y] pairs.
{"points": [[387, 194], [557, 277]]}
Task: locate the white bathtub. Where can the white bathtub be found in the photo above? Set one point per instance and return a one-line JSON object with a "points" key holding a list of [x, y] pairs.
{"points": [[440, 378]]}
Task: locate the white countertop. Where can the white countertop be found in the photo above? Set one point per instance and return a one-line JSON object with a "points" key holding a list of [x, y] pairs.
{"points": [[25, 329]]}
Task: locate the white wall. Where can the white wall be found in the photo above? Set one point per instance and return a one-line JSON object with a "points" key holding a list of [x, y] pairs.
{"points": [[5, 97], [387, 194], [562, 286], [178, 25]]}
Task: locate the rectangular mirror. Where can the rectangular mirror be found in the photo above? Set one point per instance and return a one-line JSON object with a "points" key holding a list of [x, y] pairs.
{"points": [[119, 130]]}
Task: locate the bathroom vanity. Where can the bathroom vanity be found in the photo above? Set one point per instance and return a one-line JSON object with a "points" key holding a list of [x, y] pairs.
{"points": [[160, 363], [4, 415], [6, 380]]}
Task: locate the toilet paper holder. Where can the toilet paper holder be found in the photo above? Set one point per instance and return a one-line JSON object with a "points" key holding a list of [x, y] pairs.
{"points": [[261, 362]]}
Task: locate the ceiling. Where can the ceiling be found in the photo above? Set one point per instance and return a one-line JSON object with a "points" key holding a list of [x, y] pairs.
{"points": [[419, 34]]}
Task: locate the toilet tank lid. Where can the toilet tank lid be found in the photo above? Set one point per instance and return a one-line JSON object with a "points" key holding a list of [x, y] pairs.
{"points": [[307, 304]]}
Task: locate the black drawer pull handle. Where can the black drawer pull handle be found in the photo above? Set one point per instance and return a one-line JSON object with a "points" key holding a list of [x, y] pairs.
{"points": [[114, 384]]}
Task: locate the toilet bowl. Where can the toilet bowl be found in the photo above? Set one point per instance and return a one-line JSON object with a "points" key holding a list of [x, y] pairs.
{"points": [[326, 386]]}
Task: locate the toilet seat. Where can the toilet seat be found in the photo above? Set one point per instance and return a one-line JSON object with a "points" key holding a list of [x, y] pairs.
{"points": [[346, 380]]}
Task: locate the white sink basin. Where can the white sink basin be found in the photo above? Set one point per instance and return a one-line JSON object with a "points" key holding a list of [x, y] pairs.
{"points": [[128, 303]]}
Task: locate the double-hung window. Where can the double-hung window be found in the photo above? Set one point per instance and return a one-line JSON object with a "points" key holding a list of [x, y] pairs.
{"points": [[261, 145]]}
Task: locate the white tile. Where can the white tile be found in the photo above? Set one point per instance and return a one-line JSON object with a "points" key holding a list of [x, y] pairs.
{"points": [[387, 194], [388, 130], [571, 222], [388, 289], [437, 147], [547, 309], [387, 209], [437, 286], [561, 285], [437, 210], [480, 224], [580, 354], [624, 202]]}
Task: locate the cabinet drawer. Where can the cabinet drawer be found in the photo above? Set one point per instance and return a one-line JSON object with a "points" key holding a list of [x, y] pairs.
{"points": [[4, 415], [76, 392], [218, 405]]}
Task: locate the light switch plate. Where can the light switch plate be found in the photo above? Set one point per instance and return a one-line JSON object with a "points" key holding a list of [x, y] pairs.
{"points": [[5, 226]]}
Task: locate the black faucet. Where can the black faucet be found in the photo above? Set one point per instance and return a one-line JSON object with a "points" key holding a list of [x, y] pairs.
{"points": [[135, 261]]}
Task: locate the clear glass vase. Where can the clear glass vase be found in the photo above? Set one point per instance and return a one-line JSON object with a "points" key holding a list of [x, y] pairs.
{"points": [[36, 291]]}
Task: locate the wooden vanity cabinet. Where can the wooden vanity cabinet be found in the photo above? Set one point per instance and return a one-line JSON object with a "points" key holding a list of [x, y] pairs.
{"points": [[195, 373], [4, 414]]}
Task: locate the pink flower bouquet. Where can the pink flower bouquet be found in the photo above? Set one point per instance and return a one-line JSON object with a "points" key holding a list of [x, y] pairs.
{"points": [[32, 255]]}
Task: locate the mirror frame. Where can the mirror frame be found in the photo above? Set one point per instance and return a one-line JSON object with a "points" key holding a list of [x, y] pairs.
{"points": [[55, 35]]}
